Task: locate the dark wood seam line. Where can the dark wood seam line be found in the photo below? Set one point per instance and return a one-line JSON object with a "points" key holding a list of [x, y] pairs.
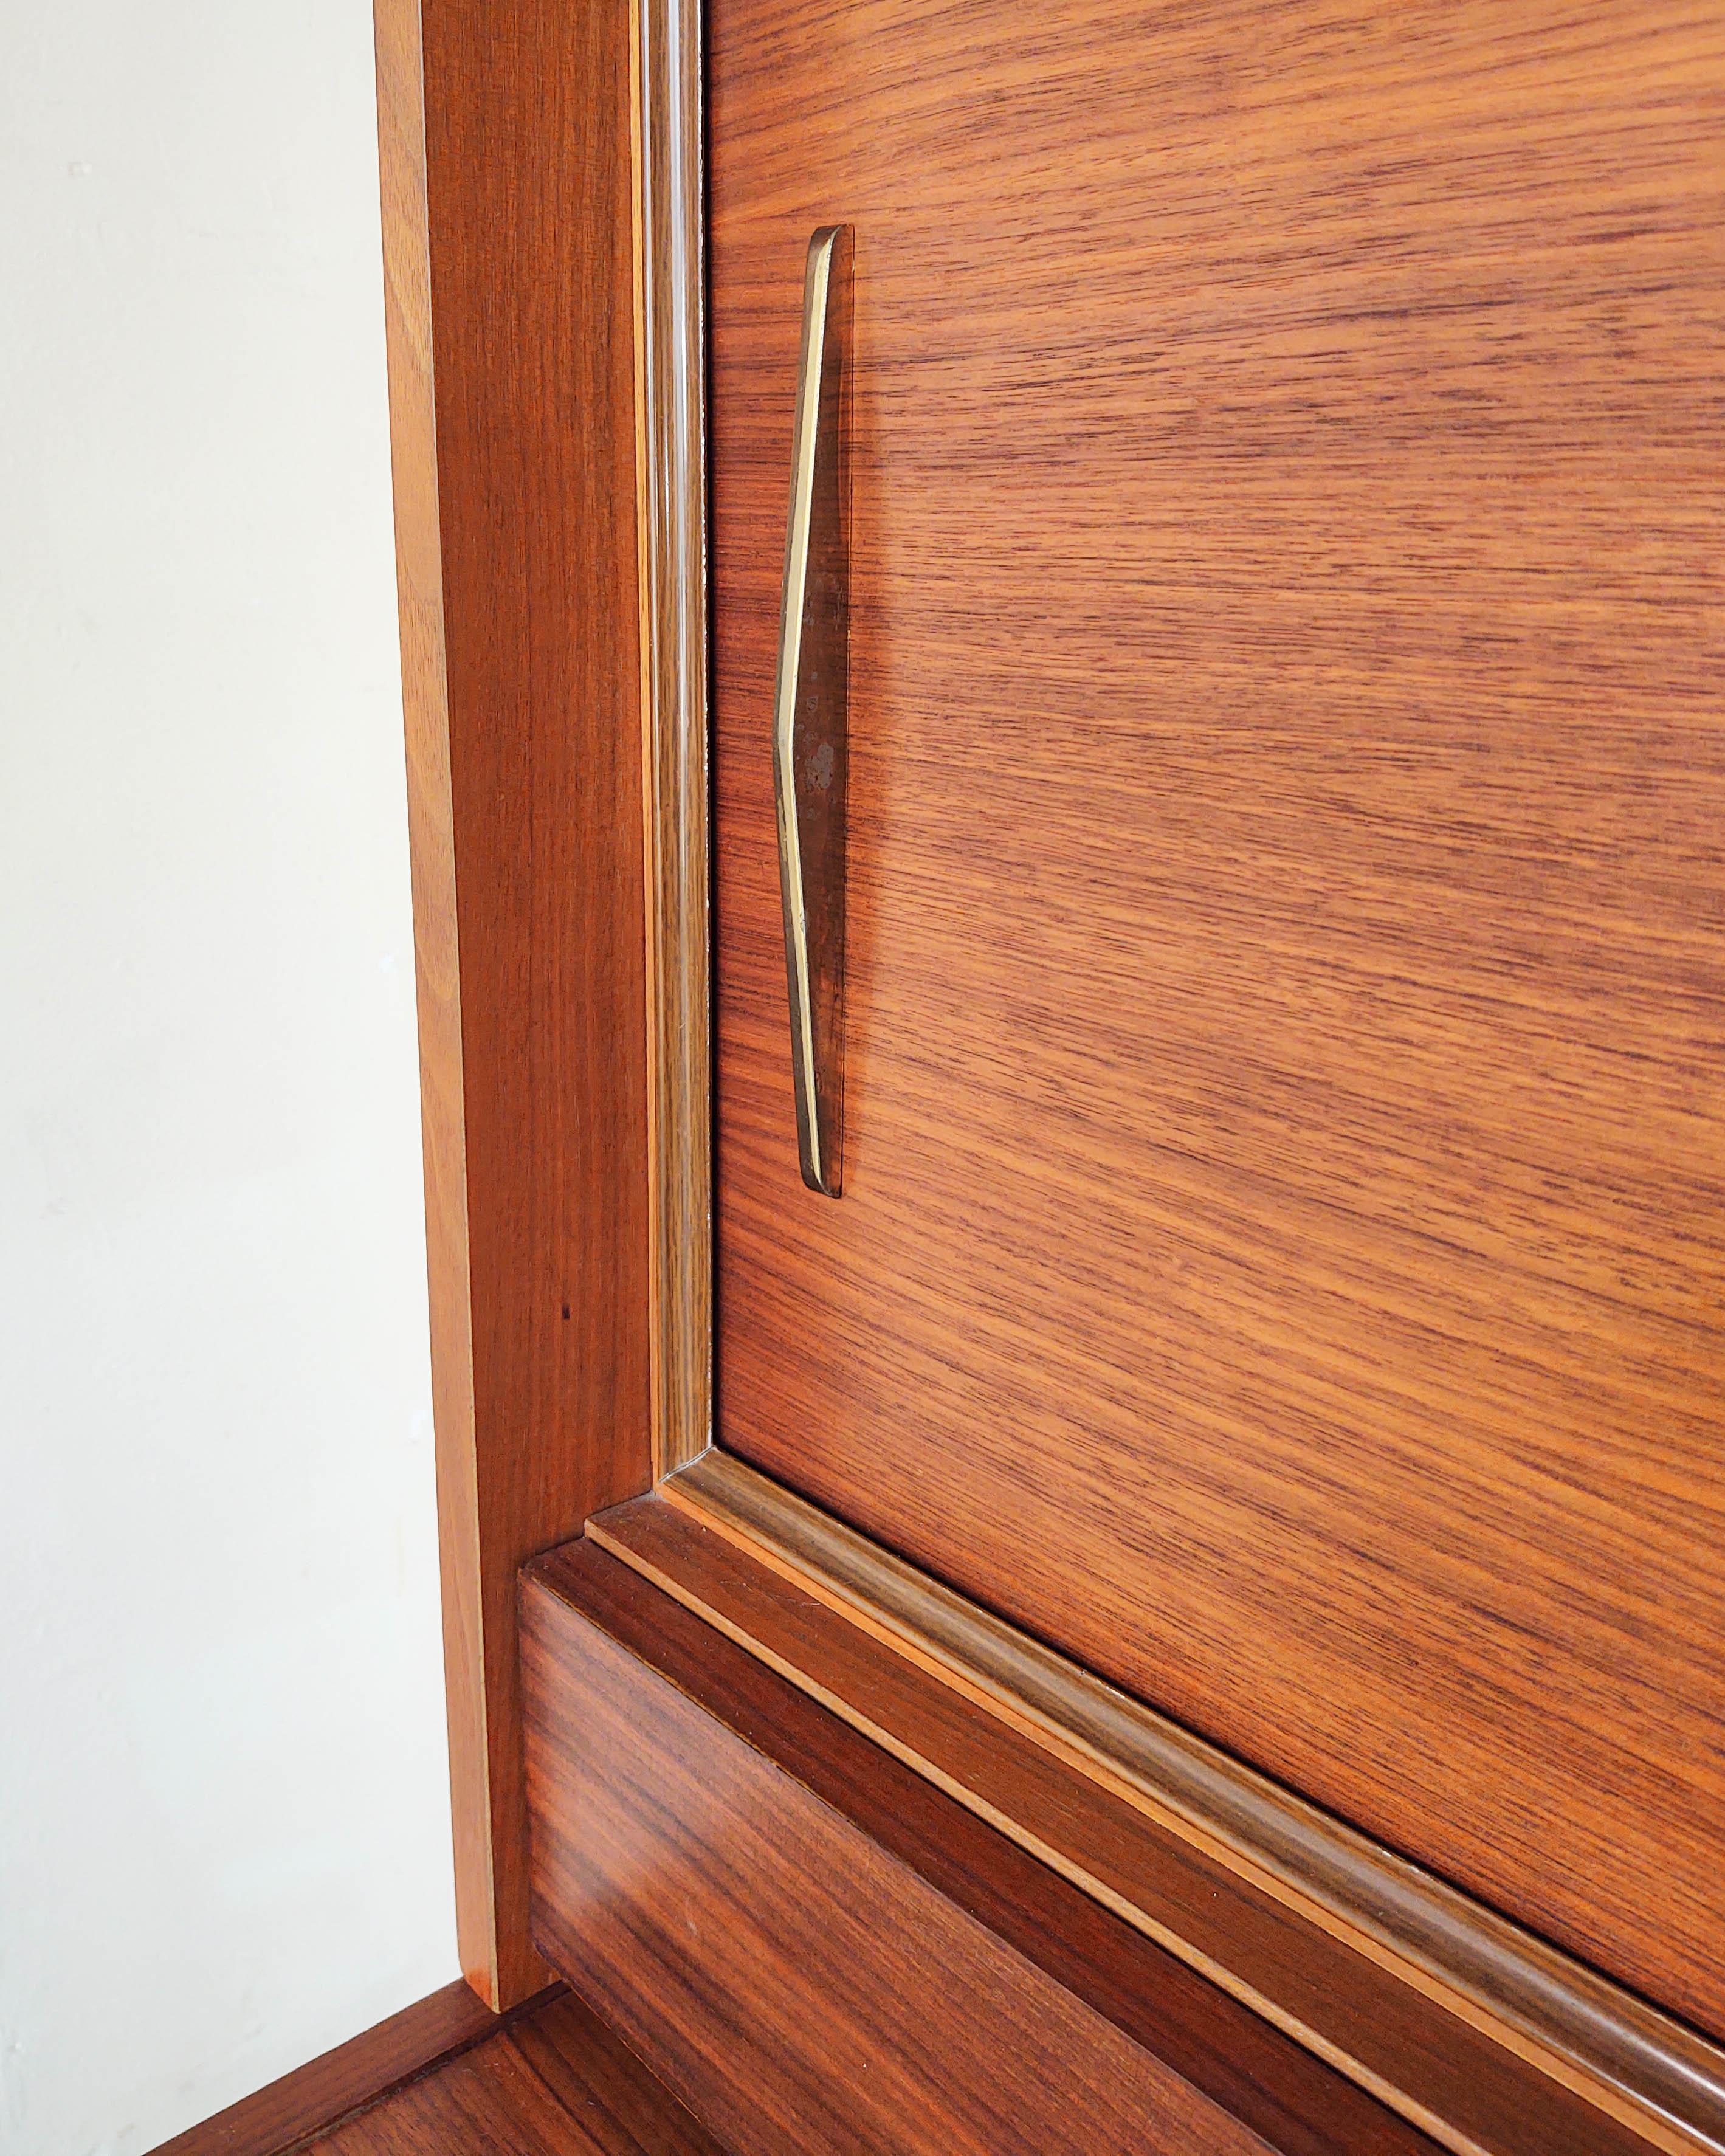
{"points": [[459, 2049]]}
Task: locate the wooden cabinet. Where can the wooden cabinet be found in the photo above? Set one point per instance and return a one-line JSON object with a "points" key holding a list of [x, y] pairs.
{"points": [[1238, 1471]]}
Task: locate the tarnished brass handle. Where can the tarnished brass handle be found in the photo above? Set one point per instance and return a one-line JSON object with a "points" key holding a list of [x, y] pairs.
{"points": [[809, 712]]}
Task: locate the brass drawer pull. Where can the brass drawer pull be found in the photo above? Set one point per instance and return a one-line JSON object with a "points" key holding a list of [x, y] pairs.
{"points": [[809, 712]]}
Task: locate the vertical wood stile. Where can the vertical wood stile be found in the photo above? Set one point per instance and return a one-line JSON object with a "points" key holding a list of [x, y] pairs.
{"points": [[672, 446]]}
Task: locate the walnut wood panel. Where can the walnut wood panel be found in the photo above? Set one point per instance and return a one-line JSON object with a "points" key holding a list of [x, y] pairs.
{"points": [[600, 2082], [1284, 1238], [508, 190], [820, 1951], [489, 2101]]}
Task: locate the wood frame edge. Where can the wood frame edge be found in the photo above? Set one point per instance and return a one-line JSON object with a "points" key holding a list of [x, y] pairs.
{"points": [[670, 268], [316, 2098], [413, 428], [531, 1431]]}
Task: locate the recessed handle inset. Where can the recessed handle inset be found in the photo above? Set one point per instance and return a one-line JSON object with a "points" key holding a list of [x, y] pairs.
{"points": [[809, 712]]}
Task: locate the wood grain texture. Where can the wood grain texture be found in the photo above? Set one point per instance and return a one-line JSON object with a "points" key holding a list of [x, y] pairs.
{"points": [[489, 2104], [1284, 1237], [821, 1952], [290, 2111], [506, 135], [672, 493], [1520, 2055], [604, 2087], [437, 960], [557, 2082]]}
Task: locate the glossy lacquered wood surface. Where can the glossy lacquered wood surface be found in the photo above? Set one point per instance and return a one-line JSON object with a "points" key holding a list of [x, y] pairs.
{"points": [[820, 1951], [506, 133], [673, 494], [1283, 1240], [555, 2082], [448, 2077], [300, 2105]]}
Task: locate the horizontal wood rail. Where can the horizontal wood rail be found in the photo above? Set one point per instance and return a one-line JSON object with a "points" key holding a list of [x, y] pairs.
{"points": [[1333, 1938]]}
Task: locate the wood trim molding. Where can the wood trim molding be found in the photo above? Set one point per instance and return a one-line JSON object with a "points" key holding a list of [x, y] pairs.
{"points": [[671, 271], [318, 2096], [1345, 1946], [505, 143], [729, 1875], [419, 569]]}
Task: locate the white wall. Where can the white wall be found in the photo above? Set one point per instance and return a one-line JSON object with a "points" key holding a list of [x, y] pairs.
{"points": [[224, 1813]]}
